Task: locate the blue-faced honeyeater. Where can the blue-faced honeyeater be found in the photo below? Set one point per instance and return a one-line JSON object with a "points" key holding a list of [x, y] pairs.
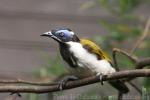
{"points": [[84, 57]]}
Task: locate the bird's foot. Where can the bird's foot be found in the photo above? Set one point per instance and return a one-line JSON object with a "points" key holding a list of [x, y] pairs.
{"points": [[17, 93], [101, 78], [65, 80]]}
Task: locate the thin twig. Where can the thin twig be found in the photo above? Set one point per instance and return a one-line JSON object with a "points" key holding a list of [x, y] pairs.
{"points": [[139, 41], [133, 58]]}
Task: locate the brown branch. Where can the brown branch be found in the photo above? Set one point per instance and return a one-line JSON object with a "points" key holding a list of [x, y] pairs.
{"points": [[130, 56], [39, 87], [142, 63], [20, 81], [114, 53], [74, 84], [139, 63]]}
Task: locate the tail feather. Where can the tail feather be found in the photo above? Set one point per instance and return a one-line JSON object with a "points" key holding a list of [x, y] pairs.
{"points": [[120, 86]]}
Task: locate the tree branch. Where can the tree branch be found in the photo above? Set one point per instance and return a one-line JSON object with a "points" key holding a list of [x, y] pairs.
{"points": [[20, 81], [139, 63], [74, 84], [142, 63]]}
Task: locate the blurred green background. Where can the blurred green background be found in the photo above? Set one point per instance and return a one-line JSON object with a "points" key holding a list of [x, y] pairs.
{"points": [[123, 32], [110, 23]]}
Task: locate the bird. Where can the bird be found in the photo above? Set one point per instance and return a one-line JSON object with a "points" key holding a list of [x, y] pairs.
{"points": [[84, 57]]}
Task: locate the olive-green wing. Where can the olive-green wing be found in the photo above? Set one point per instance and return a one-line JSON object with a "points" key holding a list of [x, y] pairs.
{"points": [[95, 49]]}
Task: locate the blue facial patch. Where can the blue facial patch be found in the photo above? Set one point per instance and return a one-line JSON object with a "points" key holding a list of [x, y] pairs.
{"points": [[64, 35]]}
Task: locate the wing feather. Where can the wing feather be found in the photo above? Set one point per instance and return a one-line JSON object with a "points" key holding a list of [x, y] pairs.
{"points": [[95, 49]]}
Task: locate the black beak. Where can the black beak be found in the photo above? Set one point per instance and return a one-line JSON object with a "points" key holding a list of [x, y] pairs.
{"points": [[47, 34]]}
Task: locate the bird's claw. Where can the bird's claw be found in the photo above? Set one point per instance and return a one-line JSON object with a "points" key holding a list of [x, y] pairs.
{"points": [[65, 80], [62, 84], [101, 79]]}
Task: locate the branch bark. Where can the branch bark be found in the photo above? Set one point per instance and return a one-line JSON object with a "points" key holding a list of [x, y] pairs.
{"points": [[142, 63], [74, 84], [20, 81]]}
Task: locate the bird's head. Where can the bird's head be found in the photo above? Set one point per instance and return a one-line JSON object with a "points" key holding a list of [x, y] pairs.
{"points": [[62, 35]]}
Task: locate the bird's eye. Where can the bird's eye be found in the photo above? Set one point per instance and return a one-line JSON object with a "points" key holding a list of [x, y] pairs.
{"points": [[61, 34]]}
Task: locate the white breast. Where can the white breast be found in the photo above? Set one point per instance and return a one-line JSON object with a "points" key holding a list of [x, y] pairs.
{"points": [[89, 61]]}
